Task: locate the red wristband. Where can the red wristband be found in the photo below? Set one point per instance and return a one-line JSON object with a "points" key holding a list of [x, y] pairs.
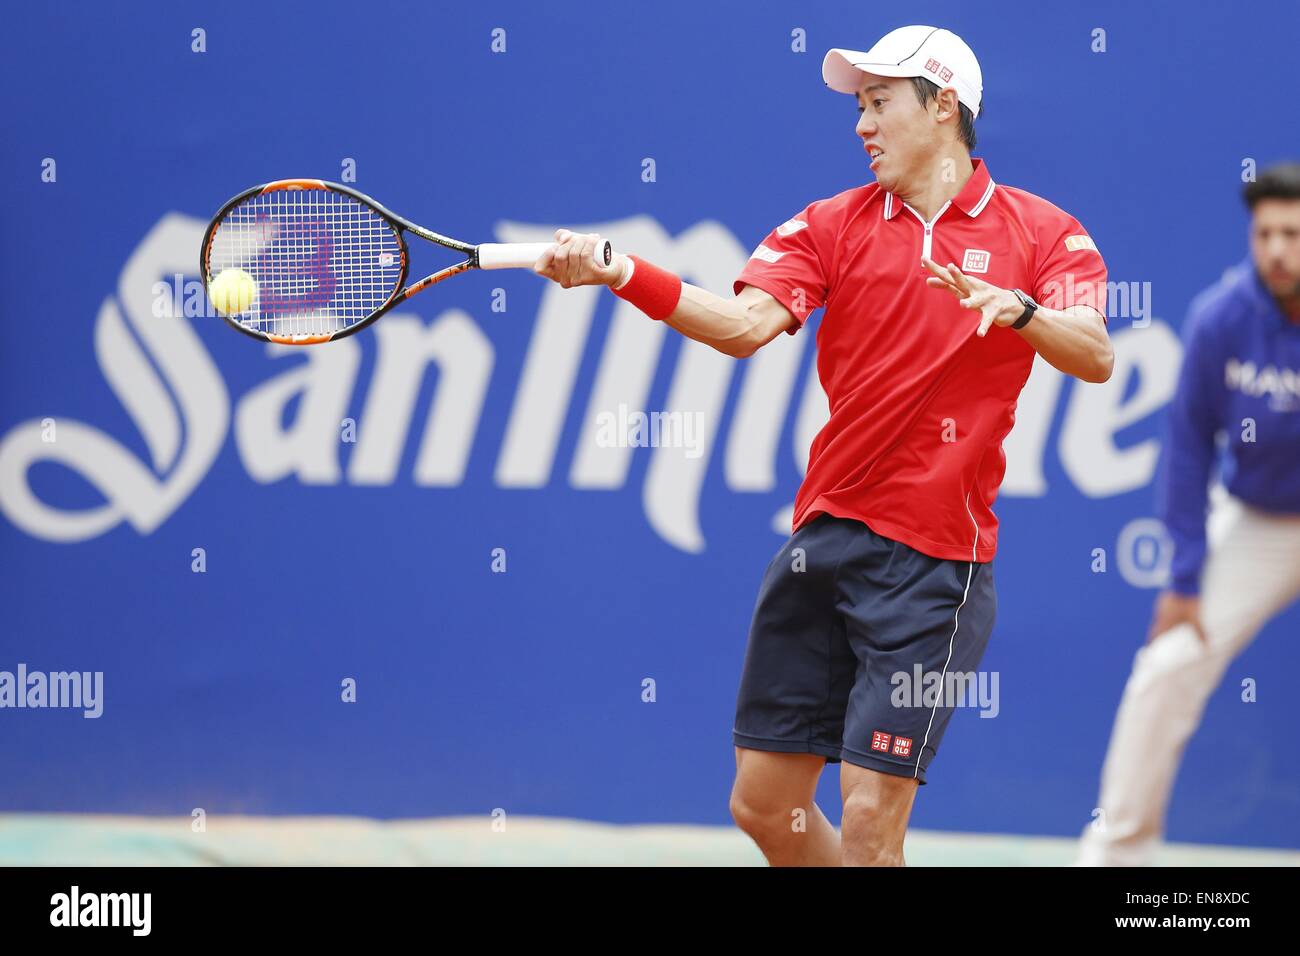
{"points": [[654, 291]]}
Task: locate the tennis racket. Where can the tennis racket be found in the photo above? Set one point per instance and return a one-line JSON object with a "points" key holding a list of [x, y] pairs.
{"points": [[303, 261]]}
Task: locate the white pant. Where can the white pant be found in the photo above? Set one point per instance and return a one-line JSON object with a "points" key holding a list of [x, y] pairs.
{"points": [[1252, 572]]}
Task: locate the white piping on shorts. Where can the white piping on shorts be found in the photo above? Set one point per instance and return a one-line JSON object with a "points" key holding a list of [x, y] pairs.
{"points": [[970, 571]]}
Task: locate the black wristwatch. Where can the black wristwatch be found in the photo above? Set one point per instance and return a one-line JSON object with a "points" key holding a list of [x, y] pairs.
{"points": [[1030, 308]]}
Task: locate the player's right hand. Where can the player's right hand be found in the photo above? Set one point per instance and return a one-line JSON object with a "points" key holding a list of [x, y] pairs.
{"points": [[571, 261], [1173, 609]]}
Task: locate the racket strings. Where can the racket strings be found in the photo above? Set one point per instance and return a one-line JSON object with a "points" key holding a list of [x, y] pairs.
{"points": [[322, 261]]}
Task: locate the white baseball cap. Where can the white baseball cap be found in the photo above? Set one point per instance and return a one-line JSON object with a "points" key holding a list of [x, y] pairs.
{"points": [[936, 54]]}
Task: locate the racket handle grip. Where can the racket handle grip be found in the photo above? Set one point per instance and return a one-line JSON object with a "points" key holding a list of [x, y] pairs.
{"points": [[524, 255]]}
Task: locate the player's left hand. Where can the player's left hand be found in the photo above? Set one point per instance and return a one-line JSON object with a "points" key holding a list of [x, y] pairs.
{"points": [[995, 306]]}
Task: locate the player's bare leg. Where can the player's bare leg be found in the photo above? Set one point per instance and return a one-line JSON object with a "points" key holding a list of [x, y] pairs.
{"points": [[877, 807], [772, 801]]}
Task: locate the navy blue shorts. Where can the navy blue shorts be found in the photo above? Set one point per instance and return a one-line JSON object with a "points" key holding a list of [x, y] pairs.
{"points": [[861, 648]]}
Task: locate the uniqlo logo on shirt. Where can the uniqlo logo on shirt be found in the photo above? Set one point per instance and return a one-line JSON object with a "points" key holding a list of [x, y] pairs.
{"points": [[902, 746], [880, 741], [975, 260], [932, 65]]}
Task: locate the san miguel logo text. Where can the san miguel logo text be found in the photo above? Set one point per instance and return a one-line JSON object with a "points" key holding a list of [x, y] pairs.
{"points": [[155, 362]]}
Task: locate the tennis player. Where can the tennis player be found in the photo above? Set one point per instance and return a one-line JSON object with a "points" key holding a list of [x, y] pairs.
{"points": [[939, 286], [1240, 377]]}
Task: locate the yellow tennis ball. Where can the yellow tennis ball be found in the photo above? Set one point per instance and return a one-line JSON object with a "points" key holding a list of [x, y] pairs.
{"points": [[231, 291]]}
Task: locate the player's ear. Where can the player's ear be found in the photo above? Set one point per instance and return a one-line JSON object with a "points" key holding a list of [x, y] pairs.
{"points": [[946, 104]]}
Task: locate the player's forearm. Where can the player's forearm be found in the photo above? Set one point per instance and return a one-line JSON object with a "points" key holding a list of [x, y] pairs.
{"points": [[1072, 341], [725, 324], [718, 322]]}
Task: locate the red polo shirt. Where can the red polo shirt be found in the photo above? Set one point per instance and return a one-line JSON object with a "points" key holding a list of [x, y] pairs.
{"points": [[919, 404]]}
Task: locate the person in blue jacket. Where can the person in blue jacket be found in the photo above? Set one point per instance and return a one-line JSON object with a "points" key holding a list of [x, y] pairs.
{"points": [[1240, 381]]}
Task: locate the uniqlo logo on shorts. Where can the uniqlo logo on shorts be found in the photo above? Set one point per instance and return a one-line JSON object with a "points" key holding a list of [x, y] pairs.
{"points": [[880, 741], [902, 746], [932, 65]]}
